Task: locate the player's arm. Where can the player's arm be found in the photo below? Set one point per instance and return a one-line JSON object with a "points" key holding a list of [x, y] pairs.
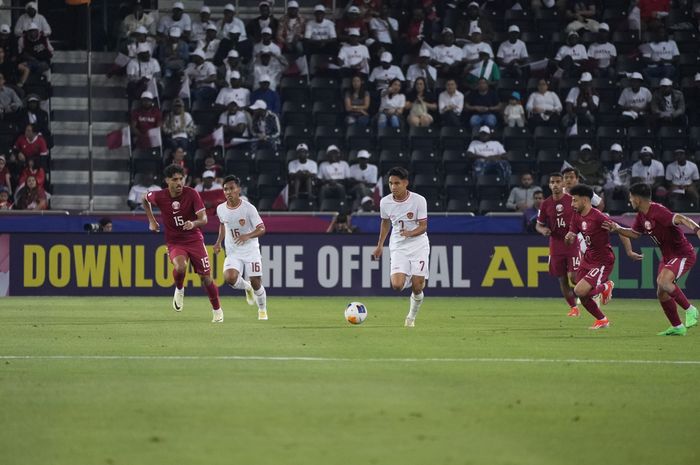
{"points": [[422, 228], [679, 219], [152, 223], [627, 244], [198, 223], [383, 232], [627, 233], [220, 238], [257, 232], [542, 229]]}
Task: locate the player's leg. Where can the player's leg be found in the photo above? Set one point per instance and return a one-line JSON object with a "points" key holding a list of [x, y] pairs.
{"points": [[200, 263], [253, 269], [419, 273], [179, 259], [398, 281], [558, 266], [588, 280], [233, 275], [678, 267], [665, 284]]}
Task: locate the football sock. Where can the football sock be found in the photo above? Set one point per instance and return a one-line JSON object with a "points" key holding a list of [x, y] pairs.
{"points": [[592, 307], [671, 312], [571, 299], [680, 298], [416, 302], [213, 293], [179, 278], [407, 283], [261, 298], [239, 284], [597, 290]]}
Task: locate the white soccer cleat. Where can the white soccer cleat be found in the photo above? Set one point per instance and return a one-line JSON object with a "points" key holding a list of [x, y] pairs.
{"points": [[410, 322], [262, 314], [178, 299], [218, 316], [249, 296]]}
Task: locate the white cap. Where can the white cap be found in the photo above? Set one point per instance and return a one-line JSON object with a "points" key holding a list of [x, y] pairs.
{"points": [[235, 75], [30, 4], [476, 4], [205, 9], [485, 129], [259, 105], [138, 30], [147, 94], [572, 33], [265, 50], [229, 7], [646, 149], [447, 29], [354, 9], [586, 147], [604, 27], [208, 174], [175, 32], [354, 31], [666, 82], [265, 78], [697, 75], [5, 29], [143, 47], [332, 148], [586, 77], [424, 52], [319, 8], [386, 57], [366, 198], [198, 53], [616, 148], [178, 5], [475, 30], [233, 53], [263, 2], [292, 4], [363, 154], [636, 75], [513, 28], [266, 30], [211, 27], [302, 146], [32, 26]]}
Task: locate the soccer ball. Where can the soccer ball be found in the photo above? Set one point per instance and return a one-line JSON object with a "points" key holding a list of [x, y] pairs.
{"points": [[355, 313]]}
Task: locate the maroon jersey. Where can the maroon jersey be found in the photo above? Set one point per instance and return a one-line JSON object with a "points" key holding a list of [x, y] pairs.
{"points": [[658, 224], [556, 215], [598, 251], [175, 211]]}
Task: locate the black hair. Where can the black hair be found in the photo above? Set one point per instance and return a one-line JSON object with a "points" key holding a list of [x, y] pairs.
{"points": [[399, 172], [556, 174], [581, 190], [172, 170], [232, 177], [641, 190], [570, 170], [105, 221]]}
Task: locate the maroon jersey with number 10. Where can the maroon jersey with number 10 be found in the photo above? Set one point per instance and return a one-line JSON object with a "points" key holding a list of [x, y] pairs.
{"points": [[556, 215], [599, 251], [175, 211]]}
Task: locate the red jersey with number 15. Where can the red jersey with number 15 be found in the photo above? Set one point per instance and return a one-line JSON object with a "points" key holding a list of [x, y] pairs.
{"points": [[175, 211], [658, 223], [556, 215], [598, 251]]}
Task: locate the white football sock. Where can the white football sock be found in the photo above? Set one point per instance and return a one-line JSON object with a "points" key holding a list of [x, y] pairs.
{"points": [[240, 283], [416, 302], [261, 298]]}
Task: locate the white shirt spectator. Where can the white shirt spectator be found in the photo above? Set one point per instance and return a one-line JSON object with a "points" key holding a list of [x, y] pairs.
{"points": [[572, 97], [274, 70], [635, 100], [577, 52], [198, 73], [380, 28], [486, 149], [367, 175], [136, 69], [549, 101], [471, 51], [334, 171], [415, 71], [602, 53], [682, 175], [656, 51], [295, 166], [353, 55], [447, 55], [210, 48], [138, 192], [166, 22], [648, 174], [214, 186], [456, 100], [394, 103], [130, 24], [182, 121], [275, 50], [509, 52], [236, 25], [227, 95], [325, 30], [25, 20], [240, 117], [199, 31], [381, 77], [132, 48]]}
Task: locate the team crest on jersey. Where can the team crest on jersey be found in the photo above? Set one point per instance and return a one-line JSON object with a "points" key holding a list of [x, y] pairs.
{"points": [[560, 208], [648, 226], [409, 215], [241, 222], [176, 205], [584, 225]]}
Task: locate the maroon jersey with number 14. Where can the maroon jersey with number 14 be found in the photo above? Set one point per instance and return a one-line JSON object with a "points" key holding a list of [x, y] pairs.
{"points": [[599, 251], [175, 211], [556, 215]]}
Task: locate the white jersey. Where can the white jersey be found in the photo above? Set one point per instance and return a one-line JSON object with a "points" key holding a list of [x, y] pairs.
{"points": [[237, 221], [405, 215]]}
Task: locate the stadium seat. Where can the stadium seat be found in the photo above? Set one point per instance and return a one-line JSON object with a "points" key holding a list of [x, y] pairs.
{"points": [[428, 186], [638, 137], [693, 138], [325, 89], [270, 185], [548, 138], [521, 161], [682, 204], [606, 89], [333, 205], [608, 135], [548, 21], [626, 42], [585, 135], [329, 135], [424, 161], [359, 138], [455, 161], [390, 158], [295, 114], [237, 162], [687, 41], [617, 207], [492, 206], [517, 139], [327, 113], [391, 138], [146, 161], [206, 119], [521, 18], [295, 135], [550, 161], [319, 63], [462, 205], [491, 186], [453, 138], [294, 89], [302, 205], [422, 138], [269, 162], [671, 138], [459, 186]]}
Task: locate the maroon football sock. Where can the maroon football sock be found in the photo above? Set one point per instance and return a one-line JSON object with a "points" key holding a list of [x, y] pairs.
{"points": [[571, 299], [597, 290], [213, 292], [680, 298], [671, 312], [179, 278], [592, 307]]}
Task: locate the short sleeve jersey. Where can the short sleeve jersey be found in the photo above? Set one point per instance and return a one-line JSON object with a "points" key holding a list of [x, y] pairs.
{"points": [[556, 215], [598, 251], [240, 220], [657, 223], [405, 215], [175, 211]]}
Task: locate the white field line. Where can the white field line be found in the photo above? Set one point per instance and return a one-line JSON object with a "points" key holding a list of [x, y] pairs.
{"points": [[354, 360]]}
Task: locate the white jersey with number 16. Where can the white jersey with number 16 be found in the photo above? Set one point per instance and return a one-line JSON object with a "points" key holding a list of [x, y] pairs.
{"points": [[237, 221]]}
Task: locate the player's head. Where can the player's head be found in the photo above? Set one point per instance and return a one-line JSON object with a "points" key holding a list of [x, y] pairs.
{"points": [[639, 193], [581, 197], [232, 188], [556, 183], [570, 176], [398, 181], [174, 178]]}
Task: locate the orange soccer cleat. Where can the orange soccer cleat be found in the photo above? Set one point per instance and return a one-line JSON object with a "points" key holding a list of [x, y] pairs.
{"points": [[600, 324], [606, 295], [574, 312]]}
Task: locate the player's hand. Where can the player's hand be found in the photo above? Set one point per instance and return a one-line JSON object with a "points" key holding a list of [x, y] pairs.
{"points": [[405, 233], [153, 226], [378, 252], [610, 226], [546, 232], [569, 238], [698, 234], [188, 225], [240, 240], [637, 257], [217, 247]]}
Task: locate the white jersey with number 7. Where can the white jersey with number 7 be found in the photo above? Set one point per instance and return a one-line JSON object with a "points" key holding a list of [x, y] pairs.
{"points": [[404, 216]]}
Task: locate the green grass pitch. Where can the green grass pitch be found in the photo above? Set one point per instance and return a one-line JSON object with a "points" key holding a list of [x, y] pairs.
{"points": [[478, 381]]}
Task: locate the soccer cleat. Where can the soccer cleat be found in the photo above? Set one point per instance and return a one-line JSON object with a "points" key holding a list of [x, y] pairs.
{"points": [[410, 322], [574, 312], [262, 314], [606, 295], [218, 316], [600, 324], [691, 317], [673, 331], [249, 296], [178, 299]]}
